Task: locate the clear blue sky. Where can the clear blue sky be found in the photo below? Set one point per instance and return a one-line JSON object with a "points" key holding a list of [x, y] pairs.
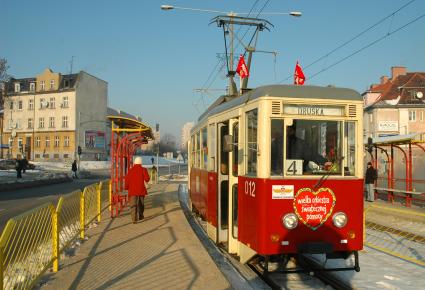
{"points": [[153, 59]]}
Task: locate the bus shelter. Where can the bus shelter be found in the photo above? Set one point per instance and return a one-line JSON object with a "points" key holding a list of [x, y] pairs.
{"points": [[397, 153], [127, 135]]}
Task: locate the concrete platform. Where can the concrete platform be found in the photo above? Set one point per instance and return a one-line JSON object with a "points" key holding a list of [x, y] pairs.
{"points": [[161, 252]]}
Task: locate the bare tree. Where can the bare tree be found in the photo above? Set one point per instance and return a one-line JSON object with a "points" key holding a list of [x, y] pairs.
{"points": [[4, 77]]}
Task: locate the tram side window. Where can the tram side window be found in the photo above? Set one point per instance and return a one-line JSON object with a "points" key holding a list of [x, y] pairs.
{"points": [[276, 147], [192, 151], [350, 147], [198, 150], [224, 156], [211, 147], [252, 127], [204, 149], [235, 141]]}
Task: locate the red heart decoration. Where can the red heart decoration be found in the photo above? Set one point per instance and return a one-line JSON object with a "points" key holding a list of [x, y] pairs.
{"points": [[314, 208]]}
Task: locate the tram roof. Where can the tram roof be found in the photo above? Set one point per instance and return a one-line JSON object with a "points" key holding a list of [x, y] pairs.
{"points": [[283, 91], [131, 125]]}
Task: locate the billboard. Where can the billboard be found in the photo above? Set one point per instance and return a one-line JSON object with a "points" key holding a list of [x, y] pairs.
{"points": [[94, 139]]}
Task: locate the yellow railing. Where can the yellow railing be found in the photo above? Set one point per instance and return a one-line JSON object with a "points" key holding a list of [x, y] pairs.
{"points": [[397, 232], [33, 241]]}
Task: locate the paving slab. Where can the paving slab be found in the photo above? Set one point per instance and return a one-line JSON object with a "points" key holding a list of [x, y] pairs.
{"points": [[161, 252]]}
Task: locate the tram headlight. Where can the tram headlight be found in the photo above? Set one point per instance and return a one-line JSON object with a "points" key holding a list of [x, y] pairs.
{"points": [[290, 221], [339, 219]]}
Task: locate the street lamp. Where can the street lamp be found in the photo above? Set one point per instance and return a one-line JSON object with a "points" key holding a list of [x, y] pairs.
{"points": [[171, 7]]}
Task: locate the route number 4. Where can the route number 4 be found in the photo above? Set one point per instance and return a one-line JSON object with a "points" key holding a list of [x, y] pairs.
{"points": [[250, 188], [294, 166]]}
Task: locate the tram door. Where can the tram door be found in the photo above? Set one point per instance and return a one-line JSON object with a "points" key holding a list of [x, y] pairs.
{"points": [[222, 187], [233, 187]]}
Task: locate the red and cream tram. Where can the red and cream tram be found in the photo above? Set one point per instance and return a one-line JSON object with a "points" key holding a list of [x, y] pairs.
{"points": [[278, 170]]}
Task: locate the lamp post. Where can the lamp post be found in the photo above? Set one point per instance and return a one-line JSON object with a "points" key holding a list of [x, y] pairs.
{"points": [[171, 7], [227, 23]]}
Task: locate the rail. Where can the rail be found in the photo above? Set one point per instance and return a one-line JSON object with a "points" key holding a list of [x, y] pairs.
{"points": [[32, 242], [408, 195]]}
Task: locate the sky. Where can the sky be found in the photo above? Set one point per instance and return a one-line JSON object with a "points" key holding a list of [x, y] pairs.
{"points": [[154, 60]]}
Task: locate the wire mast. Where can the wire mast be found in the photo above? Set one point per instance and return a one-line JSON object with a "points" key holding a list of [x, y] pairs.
{"points": [[227, 22]]}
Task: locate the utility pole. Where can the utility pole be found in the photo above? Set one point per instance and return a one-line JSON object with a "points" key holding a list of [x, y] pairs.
{"points": [[227, 23]]}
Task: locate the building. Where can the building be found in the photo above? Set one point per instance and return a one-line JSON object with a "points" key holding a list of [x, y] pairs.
{"points": [[185, 135], [47, 117], [395, 106]]}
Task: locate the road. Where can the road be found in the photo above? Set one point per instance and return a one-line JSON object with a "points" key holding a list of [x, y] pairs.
{"points": [[13, 203]]}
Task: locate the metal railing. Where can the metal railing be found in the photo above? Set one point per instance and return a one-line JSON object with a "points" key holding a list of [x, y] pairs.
{"points": [[398, 232], [32, 242]]}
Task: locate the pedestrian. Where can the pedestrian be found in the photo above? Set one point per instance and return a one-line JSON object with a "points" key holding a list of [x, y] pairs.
{"points": [[154, 174], [19, 166], [74, 169], [135, 181], [24, 164], [370, 178]]}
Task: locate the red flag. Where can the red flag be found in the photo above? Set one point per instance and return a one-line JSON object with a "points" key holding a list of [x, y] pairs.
{"points": [[242, 69], [299, 76]]}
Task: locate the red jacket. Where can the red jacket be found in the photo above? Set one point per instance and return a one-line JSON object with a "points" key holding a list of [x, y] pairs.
{"points": [[135, 180]]}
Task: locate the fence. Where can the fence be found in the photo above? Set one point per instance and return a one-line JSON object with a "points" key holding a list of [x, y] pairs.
{"points": [[397, 232], [33, 241]]}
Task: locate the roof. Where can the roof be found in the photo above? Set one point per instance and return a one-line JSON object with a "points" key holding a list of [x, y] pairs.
{"points": [[401, 91], [131, 125], [285, 91], [398, 139]]}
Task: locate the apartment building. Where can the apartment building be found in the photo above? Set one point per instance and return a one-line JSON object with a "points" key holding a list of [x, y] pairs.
{"points": [[47, 117], [395, 106]]}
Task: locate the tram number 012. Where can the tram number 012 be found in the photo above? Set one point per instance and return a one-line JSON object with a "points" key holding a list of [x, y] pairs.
{"points": [[250, 188]]}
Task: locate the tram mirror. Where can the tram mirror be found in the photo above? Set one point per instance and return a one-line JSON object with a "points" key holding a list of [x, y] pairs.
{"points": [[227, 143]]}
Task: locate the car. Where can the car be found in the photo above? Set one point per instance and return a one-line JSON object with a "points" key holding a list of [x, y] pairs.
{"points": [[6, 164]]}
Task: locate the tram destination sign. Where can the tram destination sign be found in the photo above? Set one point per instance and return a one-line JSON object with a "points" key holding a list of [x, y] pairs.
{"points": [[314, 110]]}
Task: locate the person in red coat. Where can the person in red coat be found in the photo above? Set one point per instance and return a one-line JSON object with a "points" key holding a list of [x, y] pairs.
{"points": [[135, 184]]}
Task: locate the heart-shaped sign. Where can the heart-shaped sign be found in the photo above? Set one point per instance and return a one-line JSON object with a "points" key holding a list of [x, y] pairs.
{"points": [[314, 208]]}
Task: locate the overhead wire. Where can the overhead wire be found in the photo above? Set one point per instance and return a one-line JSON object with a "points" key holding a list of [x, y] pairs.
{"points": [[353, 38], [368, 45]]}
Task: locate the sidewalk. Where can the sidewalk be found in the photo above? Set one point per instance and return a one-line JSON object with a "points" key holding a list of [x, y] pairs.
{"points": [[161, 252]]}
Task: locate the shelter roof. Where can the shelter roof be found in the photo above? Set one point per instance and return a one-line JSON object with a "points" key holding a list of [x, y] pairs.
{"points": [[123, 124], [397, 139]]}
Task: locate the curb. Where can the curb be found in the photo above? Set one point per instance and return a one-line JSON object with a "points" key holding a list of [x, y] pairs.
{"points": [[34, 183]]}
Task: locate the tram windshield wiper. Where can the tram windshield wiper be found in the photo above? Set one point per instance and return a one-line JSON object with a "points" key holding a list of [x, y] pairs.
{"points": [[327, 173]]}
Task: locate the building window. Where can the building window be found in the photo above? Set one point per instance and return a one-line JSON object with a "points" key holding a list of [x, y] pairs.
{"points": [[52, 103], [412, 116], [422, 116], [30, 123], [66, 83], [66, 141], [17, 87], [52, 84], [51, 122], [11, 105], [46, 156], [37, 155], [56, 156], [47, 142], [20, 105], [10, 142], [64, 122], [56, 141], [32, 87], [10, 124], [37, 142], [66, 156], [64, 102], [42, 103], [20, 143], [30, 104], [42, 86], [41, 122], [18, 124]]}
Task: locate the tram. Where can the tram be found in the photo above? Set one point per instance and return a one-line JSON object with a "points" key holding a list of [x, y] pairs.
{"points": [[278, 170]]}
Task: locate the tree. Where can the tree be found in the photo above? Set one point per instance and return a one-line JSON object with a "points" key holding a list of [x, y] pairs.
{"points": [[167, 144], [4, 77]]}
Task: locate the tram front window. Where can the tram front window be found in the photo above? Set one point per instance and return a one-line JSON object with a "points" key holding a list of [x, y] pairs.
{"points": [[311, 147]]}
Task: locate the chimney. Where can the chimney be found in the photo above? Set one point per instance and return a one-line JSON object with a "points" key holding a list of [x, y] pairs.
{"points": [[384, 80], [397, 71]]}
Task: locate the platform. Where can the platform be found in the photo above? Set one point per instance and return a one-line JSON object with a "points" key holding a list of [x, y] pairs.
{"points": [[161, 252]]}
